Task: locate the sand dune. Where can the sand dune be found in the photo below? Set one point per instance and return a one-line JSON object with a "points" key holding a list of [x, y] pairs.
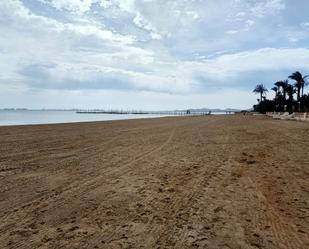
{"points": [[185, 182]]}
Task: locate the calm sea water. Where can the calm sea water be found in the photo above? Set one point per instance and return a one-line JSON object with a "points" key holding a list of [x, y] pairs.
{"points": [[21, 117], [24, 117]]}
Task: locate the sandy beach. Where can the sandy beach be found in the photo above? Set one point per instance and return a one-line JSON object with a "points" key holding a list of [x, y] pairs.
{"points": [[223, 182]]}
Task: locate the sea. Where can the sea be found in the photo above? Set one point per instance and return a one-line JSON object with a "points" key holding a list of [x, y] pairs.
{"points": [[27, 117]]}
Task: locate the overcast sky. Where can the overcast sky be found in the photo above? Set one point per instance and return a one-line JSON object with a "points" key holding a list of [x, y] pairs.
{"points": [[147, 54]]}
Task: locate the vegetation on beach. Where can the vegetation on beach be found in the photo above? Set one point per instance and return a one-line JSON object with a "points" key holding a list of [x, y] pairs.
{"points": [[285, 93]]}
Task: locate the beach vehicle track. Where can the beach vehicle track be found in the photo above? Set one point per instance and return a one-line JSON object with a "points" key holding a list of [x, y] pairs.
{"points": [[84, 154], [177, 205], [191, 198], [82, 187], [74, 164], [284, 232]]}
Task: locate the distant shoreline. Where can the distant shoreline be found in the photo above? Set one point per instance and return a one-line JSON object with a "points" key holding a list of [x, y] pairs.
{"points": [[21, 117], [72, 118]]}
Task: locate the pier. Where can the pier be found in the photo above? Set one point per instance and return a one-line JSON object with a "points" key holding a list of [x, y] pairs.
{"points": [[167, 113]]}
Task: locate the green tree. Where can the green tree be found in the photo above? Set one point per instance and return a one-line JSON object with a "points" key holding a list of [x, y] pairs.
{"points": [[282, 85], [290, 90], [260, 89], [275, 89], [299, 83]]}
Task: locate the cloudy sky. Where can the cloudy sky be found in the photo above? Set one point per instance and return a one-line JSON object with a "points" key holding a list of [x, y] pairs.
{"points": [[147, 54]]}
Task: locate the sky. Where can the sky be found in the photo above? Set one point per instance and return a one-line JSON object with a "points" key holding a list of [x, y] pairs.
{"points": [[148, 54]]}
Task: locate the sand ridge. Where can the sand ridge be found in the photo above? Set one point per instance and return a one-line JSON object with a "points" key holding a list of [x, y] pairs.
{"points": [[184, 182]]}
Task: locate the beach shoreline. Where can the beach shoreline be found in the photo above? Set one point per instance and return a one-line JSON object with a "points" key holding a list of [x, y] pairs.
{"points": [[81, 122], [169, 182], [36, 117]]}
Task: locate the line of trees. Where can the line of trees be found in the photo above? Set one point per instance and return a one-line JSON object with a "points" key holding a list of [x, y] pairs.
{"points": [[285, 93]]}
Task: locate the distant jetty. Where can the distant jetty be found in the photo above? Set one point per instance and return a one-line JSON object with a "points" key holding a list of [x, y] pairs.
{"points": [[168, 113]]}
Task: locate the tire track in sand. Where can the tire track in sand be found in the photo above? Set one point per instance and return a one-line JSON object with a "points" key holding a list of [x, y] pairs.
{"points": [[81, 189], [177, 207], [284, 232]]}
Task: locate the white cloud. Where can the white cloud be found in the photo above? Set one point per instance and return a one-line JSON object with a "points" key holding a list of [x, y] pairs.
{"points": [[105, 99], [15, 9], [305, 25], [161, 18], [145, 24], [193, 14], [266, 59], [240, 14], [100, 33], [180, 48], [292, 38], [232, 32], [77, 6], [105, 3], [262, 8], [250, 22]]}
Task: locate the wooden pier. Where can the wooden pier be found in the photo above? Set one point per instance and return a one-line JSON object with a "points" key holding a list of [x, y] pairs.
{"points": [[167, 113]]}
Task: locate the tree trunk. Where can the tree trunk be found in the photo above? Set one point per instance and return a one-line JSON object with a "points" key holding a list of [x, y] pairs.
{"points": [[302, 91], [284, 95], [261, 98]]}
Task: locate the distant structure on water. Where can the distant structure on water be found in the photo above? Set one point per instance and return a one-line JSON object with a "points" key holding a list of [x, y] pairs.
{"points": [[170, 113]]}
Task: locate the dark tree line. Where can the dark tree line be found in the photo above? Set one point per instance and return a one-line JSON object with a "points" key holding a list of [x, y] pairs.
{"points": [[285, 93]]}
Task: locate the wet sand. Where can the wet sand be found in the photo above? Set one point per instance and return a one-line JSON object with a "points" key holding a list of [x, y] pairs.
{"points": [[185, 182]]}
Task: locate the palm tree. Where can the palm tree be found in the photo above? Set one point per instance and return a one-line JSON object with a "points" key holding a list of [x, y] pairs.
{"points": [[285, 84], [290, 91], [275, 89], [282, 84], [278, 84], [305, 83], [260, 89], [299, 84]]}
